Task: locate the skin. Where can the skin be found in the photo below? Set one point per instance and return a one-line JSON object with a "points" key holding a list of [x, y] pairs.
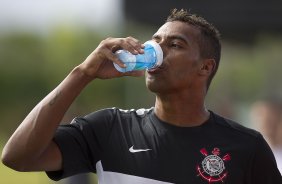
{"points": [[179, 85]]}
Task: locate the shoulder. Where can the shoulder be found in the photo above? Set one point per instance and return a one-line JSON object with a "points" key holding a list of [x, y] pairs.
{"points": [[235, 127], [113, 114], [115, 111], [250, 140]]}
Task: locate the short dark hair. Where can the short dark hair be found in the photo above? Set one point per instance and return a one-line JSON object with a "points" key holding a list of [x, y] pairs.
{"points": [[209, 40]]}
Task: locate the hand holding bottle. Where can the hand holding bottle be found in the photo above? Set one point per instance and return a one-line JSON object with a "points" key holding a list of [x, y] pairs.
{"points": [[99, 64], [151, 58]]}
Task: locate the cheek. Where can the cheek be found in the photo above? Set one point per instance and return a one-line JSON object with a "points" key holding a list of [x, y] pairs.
{"points": [[181, 68], [180, 65], [182, 58]]}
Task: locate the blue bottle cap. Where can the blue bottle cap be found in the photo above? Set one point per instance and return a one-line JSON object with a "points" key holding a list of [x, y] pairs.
{"points": [[158, 50]]}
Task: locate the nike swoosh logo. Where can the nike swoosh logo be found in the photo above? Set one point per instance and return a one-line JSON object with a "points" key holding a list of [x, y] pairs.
{"points": [[132, 150]]}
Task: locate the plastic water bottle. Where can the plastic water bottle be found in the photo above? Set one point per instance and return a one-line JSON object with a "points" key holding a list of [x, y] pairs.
{"points": [[152, 58]]}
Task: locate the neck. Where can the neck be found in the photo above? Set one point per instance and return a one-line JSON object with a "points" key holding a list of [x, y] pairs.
{"points": [[182, 110]]}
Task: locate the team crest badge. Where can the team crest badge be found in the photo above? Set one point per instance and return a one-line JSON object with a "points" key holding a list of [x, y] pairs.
{"points": [[212, 167]]}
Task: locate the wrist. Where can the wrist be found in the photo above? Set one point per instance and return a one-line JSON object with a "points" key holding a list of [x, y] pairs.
{"points": [[82, 74]]}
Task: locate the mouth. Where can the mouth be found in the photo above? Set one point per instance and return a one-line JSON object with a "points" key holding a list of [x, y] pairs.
{"points": [[156, 70]]}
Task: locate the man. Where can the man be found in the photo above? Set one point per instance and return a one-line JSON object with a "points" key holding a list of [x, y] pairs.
{"points": [[176, 141]]}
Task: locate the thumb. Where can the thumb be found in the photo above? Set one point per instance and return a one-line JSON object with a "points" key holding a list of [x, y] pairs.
{"points": [[135, 73]]}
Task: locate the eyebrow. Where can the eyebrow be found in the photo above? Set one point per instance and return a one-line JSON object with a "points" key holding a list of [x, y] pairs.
{"points": [[173, 37]]}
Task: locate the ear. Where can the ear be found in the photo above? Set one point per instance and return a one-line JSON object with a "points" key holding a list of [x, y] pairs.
{"points": [[207, 67]]}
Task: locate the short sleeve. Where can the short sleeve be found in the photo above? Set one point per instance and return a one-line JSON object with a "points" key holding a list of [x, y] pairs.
{"points": [[264, 168], [80, 143]]}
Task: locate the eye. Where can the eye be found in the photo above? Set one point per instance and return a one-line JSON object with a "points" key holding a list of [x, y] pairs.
{"points": [[175, 45]]}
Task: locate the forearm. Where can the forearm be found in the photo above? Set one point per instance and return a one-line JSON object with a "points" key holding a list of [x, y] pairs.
{"points": [[37, 130], [31, 146]]}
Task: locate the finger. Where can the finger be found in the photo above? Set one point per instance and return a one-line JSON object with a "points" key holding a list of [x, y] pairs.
{"points": [[130, 44], [136, 73], [115, 48], [112, 57], [136, 44], [115, 44]]}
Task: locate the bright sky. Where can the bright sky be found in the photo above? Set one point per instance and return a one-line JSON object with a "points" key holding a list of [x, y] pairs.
{"points": [[43, 14]]}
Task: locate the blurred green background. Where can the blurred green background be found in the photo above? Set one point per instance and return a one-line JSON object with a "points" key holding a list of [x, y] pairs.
{"points": [[33, 62]]}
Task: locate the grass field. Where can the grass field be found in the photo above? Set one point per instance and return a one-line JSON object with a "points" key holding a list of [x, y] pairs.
{"points": [[8, 176]]}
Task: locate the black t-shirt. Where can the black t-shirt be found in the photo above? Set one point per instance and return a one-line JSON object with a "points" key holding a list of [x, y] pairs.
{"points": [[134, 146]]}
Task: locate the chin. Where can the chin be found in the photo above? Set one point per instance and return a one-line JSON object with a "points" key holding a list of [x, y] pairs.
{"points": [[151, 86], [156, 84], [155, 87]]}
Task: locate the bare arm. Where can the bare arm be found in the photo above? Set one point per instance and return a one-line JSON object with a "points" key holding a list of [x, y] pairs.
{"points": [[31, 148]]}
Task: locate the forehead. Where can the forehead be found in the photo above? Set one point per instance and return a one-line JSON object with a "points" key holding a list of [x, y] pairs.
{"points": [[177, 28]]}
